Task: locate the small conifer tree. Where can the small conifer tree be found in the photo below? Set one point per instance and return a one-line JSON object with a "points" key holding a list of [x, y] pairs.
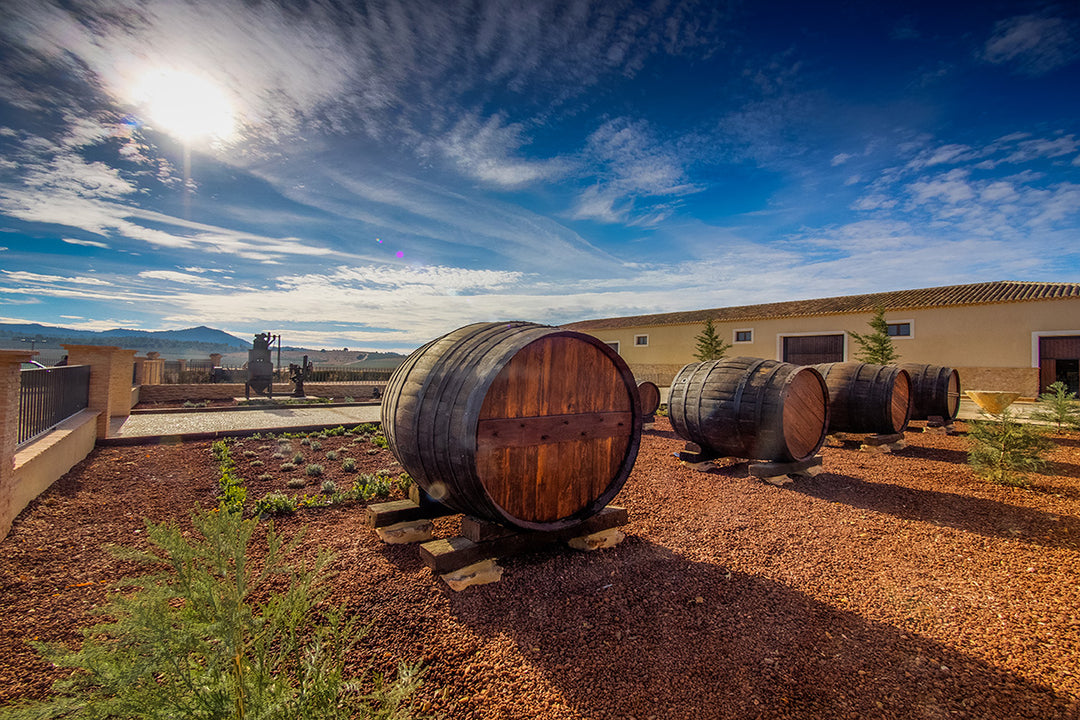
{"points": [[1058, 407], [710, 346], [207, 638], [876, 347], [1005, 450]]}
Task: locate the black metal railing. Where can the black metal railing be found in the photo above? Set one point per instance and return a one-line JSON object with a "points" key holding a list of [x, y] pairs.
{"points": [[48, 396]]}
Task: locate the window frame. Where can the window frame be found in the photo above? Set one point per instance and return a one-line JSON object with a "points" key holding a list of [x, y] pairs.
{"points": [[735, 336], [911, 329], [641, 344]]}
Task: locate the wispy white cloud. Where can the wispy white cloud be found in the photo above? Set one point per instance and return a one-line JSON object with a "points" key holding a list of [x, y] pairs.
{"points": [[1032, 44], [176, 277], [86, 243], [634, 168]]}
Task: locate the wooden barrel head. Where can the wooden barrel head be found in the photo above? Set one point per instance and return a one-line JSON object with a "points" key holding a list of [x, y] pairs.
{"points": [[650, 397], [548, 444], [900, 402], [805, 413], [953, 394]]}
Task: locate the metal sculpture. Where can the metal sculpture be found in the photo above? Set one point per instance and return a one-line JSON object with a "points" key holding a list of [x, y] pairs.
{"points": [[260, 367]]}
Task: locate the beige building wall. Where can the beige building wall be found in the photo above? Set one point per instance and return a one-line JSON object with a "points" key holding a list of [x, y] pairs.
{"points": [[995, 346]]}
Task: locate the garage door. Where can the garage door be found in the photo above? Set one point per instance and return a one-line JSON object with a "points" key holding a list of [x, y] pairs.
{"points": [[813, 349]]}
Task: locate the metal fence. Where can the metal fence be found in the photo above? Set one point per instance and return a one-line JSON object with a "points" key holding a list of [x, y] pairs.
{"points": [[203, 371], [48, 396]]}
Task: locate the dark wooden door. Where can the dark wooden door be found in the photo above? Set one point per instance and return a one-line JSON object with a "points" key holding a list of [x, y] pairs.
{"points": [[1059, 358], [814, 349]]}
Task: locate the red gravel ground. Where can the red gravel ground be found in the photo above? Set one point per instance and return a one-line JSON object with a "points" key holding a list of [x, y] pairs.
{"points": [[890, 586]]}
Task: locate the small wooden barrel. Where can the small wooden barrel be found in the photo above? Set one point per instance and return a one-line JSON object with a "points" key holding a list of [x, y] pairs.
{"points": [[867, 398], [649, 395], [521, 424], [935, 390], [752, 408]]}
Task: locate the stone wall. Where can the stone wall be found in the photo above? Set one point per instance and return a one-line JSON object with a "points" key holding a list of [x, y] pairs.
{"points": [[1022, 380], [226, 391], [659, 374]]}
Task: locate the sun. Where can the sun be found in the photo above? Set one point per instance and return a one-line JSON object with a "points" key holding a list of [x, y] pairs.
{"points": [[186, 106]]}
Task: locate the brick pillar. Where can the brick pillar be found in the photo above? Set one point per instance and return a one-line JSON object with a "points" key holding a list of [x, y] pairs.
{"points": [[9, 430], [215, 359], [155, 371], [110, 380], [140, 371]]}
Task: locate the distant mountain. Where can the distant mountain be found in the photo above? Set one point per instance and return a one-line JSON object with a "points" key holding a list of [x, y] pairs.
{"points": [[200, 338]]}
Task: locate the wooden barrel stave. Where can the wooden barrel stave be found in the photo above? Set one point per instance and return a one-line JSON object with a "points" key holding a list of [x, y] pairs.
{"points": [[495, 425]]}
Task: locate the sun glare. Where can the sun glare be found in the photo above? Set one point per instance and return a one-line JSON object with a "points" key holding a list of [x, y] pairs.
{"points": [[185, 106]]}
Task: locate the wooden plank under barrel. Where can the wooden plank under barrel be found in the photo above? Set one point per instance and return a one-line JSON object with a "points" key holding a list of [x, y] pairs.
{"points": [[750, 407], [867, 398], [522, 424]]}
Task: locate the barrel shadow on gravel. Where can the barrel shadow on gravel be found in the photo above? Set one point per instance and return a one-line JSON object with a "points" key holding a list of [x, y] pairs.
{"points": [[641, 631], [959, 457], [969, 514]]}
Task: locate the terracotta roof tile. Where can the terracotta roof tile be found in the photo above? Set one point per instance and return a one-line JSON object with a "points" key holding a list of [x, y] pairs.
{"points": [[974, 294]]}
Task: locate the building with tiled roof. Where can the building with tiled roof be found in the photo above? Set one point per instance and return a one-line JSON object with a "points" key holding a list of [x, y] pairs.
{"points": [[1003, 335]]}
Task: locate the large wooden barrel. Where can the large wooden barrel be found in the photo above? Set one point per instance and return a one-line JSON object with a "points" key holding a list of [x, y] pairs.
{"points": [[752, 408], [935, 390], [521, 424], [867, 398], [649, 395]]}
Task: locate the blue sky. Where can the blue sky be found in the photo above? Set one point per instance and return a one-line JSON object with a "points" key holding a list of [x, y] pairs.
{"points": [[372, 175]]}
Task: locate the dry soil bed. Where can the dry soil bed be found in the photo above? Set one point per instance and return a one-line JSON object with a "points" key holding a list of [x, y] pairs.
{"points": [[890, 586]]}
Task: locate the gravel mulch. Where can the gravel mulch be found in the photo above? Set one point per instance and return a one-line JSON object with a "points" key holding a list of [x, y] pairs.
{"points": [[889, 586]]}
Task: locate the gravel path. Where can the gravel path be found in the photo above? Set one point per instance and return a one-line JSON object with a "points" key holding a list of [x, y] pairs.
{"points": [[890, 586]]}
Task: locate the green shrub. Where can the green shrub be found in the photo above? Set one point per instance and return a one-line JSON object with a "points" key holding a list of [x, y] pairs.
{"points": [[194, 642], [1058, 407], [265, 477], [1005, 450], [348, 465], [255, 463], [275, 503], [314, 469], [298, 458], [316, 445], [296, 482], [379, 440], [288, 467], [331, 455], [329, 487]]}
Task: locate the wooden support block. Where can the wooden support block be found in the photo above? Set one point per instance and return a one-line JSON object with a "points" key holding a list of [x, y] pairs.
{"points": [[396, 511], [694, 454], [410, 531], [450, 554], [889, 439], [479, 530], [935, 421], [481, 573], [597, 541], [775, 472]]}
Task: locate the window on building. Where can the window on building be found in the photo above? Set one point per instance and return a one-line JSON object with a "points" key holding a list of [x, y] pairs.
{"points": [[641, 340], [900, 329], [613, 345], [744, 336]]}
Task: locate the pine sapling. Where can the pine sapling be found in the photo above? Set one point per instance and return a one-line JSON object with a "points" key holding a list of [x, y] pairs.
{"points": [[1058, 407], [876, 347], [1006, 450], [710, 346], [206, 637]]}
